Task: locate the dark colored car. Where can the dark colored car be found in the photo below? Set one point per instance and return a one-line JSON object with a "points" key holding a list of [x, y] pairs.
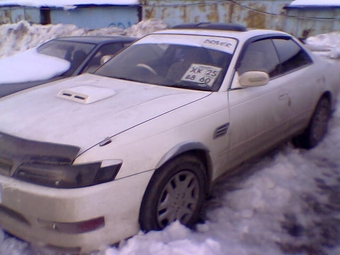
{"points": [[85, 54]]}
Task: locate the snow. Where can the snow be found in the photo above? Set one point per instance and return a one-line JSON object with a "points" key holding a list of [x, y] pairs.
{"points": [[16, 38], [327, 45], [281, 203], [315, 3], [64, 3], [33, 66]]}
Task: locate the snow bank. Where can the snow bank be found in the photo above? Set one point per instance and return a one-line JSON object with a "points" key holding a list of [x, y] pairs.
{"points": [[327, 45], [175, 240], [315, 3], [23, 36]]}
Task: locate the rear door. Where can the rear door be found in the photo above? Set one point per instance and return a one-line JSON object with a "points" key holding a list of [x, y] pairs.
{"points": [[304, 83]]}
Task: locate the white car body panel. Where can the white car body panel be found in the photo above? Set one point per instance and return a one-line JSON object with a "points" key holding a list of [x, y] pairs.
{"points": [[44, 204], [68, 120], [145, 125]]}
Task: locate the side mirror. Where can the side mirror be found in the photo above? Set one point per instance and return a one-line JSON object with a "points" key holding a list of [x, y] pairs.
{"points": [[105, 58], [253, 79]]}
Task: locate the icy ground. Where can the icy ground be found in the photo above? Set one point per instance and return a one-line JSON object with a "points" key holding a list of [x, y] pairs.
{"points": [[287, 202]]}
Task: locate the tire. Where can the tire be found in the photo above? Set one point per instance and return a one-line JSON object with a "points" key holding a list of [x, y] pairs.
{"points": [[176, 191], [317, 127]]}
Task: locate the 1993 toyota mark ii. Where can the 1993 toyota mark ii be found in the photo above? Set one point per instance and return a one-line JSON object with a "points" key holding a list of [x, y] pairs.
{"points": [[93, 159]]}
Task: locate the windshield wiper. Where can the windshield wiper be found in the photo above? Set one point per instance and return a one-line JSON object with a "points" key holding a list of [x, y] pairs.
{"points": [[119, 78]]}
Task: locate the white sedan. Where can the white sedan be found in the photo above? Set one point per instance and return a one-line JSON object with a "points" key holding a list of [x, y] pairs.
{"points": [[91, 160]]}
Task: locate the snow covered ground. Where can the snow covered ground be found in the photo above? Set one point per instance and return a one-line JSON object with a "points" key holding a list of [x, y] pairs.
{"points": [[287, 202]]}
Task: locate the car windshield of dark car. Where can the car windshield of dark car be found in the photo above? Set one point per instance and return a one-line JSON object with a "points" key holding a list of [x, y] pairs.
{"points": [[175, 65], [74, 52]]}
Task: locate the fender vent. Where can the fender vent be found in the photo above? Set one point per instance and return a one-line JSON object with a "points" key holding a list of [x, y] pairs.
{"points": [[221, 130]]}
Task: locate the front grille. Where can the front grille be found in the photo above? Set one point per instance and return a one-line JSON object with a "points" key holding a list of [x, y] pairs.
{"points": [[5, 166]]}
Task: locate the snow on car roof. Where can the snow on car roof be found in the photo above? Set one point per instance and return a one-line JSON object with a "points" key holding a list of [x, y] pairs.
{"points": [[302, 3], [62, 3], [31, 66]]}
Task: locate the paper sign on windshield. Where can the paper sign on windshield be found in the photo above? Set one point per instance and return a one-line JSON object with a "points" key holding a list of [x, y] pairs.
{"points": [[201, 74]]}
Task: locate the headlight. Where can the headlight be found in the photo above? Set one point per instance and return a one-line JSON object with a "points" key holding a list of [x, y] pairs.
{"points": [[69, 176]]}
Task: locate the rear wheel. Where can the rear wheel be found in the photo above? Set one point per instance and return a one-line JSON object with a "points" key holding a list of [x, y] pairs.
{"points": [[176, 192], [317, 127]]}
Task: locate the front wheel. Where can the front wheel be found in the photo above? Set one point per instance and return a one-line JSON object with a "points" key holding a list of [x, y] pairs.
{"points": [[176, 191], [317, 127]]}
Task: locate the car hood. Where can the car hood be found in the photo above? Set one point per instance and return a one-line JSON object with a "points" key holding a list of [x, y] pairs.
{"points": [[84, 110]]}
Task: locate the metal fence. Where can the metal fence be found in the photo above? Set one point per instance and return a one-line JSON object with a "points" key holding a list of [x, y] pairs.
{"points": [[268, 14]]}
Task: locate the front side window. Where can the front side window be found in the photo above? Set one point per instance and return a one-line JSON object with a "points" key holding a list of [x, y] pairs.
{"points": [[260, 56], [200, 63], [291, 55]]}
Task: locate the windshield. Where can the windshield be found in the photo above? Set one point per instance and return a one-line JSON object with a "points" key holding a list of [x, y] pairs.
{"points": [[170, 64], [74, 52]]}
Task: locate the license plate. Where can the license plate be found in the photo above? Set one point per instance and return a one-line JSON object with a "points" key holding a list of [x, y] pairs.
{"points": [[201, 74]]}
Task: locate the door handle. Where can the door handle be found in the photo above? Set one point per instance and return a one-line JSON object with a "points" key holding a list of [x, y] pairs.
{"points": [[283, 96], [286, 97]]}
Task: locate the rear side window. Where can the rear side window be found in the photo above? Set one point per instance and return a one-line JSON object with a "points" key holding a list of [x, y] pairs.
{"points": [[291, 55]]}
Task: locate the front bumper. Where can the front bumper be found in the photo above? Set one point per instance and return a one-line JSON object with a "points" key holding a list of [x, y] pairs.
{"points": [[28, 211]]}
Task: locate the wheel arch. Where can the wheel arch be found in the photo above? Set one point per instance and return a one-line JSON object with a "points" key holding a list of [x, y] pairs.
{"points": [[195, 148], [317, 124], [327, 94]]}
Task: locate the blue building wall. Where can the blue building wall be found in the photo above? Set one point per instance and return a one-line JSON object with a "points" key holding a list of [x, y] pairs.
{"points": [[84, 16], [95, 17], [13, 14]]}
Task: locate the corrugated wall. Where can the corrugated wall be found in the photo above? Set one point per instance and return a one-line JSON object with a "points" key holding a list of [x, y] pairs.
{"points": [[257, 14], [268, 14], [304, 22]]}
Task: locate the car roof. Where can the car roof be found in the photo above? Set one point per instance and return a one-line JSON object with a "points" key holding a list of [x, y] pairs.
{"points": [[97, 39]]}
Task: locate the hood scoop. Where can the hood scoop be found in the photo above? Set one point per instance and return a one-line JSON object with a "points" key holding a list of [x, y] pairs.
{"points": [[86, 94]]}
